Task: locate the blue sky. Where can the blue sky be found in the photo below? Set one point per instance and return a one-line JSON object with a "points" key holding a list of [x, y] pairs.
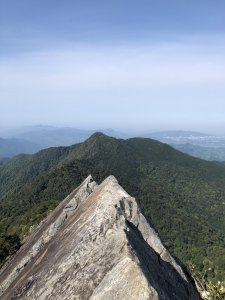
{"points": [[144, 65]]}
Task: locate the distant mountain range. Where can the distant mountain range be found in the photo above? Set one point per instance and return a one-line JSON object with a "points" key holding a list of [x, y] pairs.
{"points": [[66, 136], [32, 139], [14, 146]]}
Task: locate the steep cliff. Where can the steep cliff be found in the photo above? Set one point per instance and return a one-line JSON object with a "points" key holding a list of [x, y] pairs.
{"points": [[95, 245]]}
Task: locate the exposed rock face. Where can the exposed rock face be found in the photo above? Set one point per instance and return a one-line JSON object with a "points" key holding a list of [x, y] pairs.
{"points": [[96, 245]]}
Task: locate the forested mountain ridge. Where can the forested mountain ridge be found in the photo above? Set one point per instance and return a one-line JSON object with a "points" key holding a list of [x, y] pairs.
{"points": [[30, 140], [184, 197]]}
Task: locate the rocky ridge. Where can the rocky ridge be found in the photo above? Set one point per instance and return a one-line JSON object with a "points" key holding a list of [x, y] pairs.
{"points": [[95, 245]]}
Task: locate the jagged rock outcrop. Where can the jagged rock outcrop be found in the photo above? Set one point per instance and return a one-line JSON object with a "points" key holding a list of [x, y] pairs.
{"points": [[95, 245]]}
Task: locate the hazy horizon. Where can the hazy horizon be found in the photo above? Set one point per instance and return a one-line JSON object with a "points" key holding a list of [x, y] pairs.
{"points": [[14, 131], [141, 66]]}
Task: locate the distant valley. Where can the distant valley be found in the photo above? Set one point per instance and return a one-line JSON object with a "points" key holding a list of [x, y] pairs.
{"points": [[205, 146], [207, 153]]}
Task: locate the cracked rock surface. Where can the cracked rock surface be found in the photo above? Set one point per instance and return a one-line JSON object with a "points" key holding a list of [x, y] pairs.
{"points": [[95, 245]]}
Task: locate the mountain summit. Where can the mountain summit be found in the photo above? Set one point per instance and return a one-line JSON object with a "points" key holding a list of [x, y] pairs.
{"points": [[95, 245], [183, 197]]}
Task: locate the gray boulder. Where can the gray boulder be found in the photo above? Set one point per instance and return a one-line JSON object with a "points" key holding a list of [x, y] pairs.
{"points": [[96, 245]]}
